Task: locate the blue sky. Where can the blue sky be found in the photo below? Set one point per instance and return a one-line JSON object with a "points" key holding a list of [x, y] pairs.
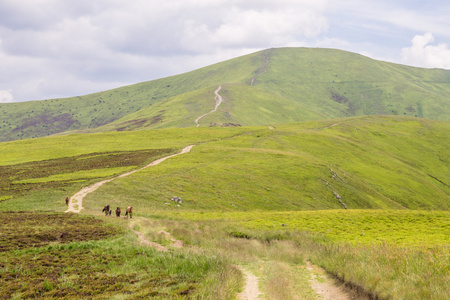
{"points": [[57, 48]]}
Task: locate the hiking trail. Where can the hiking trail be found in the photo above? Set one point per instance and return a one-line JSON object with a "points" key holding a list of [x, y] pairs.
{"points": [[76, 201], [219, 100]]}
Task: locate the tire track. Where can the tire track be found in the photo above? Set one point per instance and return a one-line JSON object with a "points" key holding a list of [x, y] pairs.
{"points": [[251, 290]]}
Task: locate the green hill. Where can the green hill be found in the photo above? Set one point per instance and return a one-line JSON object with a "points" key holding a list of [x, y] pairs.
{"points": [[274, 86], [376, 162]]}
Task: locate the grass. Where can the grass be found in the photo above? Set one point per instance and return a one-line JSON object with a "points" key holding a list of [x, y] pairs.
{"points": [[68, 256], [239, 187], [366, 227], [396, 265], [65, 173], [370, 162]]}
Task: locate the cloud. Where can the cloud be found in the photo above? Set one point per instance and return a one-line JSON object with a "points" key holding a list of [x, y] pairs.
{"points": [[47, 44], [252, 28], [6, 96], [57, 48], [422, 54]]}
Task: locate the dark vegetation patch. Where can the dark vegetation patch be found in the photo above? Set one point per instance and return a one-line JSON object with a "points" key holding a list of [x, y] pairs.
{"points": [[52, 255], [157, 119], [43, 125], [20, 230], [336, 97], [82, 273], [42, 169], [62, 122], [130, 125]]}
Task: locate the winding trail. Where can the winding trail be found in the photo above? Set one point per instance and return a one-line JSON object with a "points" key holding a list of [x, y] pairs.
{"points": [[219, 101], [76, 201]]}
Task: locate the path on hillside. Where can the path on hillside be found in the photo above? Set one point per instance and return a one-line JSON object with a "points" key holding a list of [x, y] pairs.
{"points": [[76, 201], [219, 100], [251, 290], [264, 67]]}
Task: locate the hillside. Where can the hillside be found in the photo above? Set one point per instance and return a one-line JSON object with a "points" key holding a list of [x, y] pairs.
{"points": [[370, 162], [274, 86]]}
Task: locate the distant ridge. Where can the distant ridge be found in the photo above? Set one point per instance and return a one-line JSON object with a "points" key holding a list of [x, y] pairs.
{"points": [[274, 86]]}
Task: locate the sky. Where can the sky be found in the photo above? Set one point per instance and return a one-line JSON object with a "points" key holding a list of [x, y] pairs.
{"points": [[60, 48]]}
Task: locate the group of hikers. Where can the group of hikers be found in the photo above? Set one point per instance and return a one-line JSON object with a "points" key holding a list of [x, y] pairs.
{"points": [[107, 210]]}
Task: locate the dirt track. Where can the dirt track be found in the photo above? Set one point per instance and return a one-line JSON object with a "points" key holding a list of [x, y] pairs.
{"points": [[76, 201], [219, 100], [251, 290]]}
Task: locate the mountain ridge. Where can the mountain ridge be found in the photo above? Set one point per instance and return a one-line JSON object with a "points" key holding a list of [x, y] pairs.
{"points": [[273, 86]]}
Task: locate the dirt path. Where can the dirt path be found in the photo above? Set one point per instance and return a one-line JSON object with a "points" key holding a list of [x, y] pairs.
{"points": [[76, 201], [324, 286], [251, 290], [219, 100], [264, 67]]}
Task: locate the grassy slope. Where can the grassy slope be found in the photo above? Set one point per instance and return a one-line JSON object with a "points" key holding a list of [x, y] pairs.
{"points": [[42, 118], [300, 84], [307, 84], [371, 162]]}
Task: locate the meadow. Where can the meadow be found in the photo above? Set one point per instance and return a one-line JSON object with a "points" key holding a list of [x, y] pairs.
{"points": [[259, 197]]}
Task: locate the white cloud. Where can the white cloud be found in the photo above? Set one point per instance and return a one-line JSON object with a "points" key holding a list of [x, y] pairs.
{"points": [[6, 96], [422, 54], [250, 28]]}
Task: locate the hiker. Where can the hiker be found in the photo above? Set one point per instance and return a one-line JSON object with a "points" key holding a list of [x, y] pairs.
{"points": [[107, 210], [129, 212]]}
